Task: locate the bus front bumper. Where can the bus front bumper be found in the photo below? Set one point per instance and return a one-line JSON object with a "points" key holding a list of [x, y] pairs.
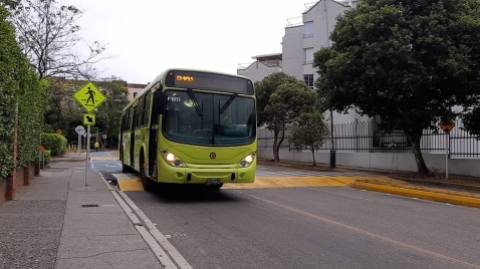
{"points": [[206, 175]]}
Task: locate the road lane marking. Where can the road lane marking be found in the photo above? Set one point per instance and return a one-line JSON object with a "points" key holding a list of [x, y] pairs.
{"points": [[169, 248], [154, 246], [360, 231]]}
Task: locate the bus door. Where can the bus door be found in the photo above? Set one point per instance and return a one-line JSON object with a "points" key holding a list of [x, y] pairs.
{"points": [[132, 136], [157, 110]]}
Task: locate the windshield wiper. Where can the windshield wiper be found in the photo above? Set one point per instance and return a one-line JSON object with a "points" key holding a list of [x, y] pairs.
{"points": [[195, 102], [229, 101]]}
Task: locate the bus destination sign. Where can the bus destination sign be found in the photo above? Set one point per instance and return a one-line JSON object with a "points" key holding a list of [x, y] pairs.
{"points": [[209, 81]]}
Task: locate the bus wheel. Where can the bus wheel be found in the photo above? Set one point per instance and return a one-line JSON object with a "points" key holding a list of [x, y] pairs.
{"points": [[147, 183], [215, 187]]}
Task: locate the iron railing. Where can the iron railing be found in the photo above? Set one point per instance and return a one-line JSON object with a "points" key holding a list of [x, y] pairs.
{"points": [[366, 137]]}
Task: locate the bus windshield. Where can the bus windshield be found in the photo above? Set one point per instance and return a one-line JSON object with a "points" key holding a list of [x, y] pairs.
{"points": [[201, 118]]}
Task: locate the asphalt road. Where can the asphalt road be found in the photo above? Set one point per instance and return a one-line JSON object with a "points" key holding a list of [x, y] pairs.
{"points": [[312, 227], [105, 161]]}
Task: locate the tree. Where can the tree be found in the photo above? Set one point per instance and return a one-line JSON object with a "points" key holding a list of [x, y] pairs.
{"points": [[407, 61], [65, 113], [265, 89], [286, 103], [308, 131], [47, 35], [110, 112]]}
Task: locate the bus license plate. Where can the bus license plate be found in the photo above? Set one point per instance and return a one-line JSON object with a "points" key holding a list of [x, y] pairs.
{"points": [[213, 181]]}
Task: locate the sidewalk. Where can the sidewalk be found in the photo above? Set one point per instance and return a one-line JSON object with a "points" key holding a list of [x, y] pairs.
{"points": [[57, 222]]}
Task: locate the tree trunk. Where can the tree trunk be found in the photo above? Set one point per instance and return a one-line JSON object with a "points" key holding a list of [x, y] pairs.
{"points": [[280, 142], [415, 137], [313, 155], [276, 158]]}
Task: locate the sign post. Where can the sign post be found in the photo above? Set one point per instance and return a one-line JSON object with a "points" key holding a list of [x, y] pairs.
{"points": [[80, 131], [104, 136], [89, 97], [447, 126]]}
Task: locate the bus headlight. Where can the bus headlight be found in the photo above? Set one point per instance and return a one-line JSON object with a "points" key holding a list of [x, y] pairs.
{"points": [[247, 161], [171, 159]]}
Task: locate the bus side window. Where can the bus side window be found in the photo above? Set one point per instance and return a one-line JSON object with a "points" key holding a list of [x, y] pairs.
{"points": [[158, 106], [146, 109]]}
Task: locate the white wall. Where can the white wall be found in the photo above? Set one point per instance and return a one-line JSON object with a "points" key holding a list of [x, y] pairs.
{"points": [[257, 71], [386, 161]]}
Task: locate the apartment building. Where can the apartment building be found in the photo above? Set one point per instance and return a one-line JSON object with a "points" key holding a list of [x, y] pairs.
{"points": [[134, 89], [304, 35]]}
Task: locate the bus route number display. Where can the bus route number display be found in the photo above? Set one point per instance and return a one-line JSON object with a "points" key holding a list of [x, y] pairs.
{"points": [[209, 81]]}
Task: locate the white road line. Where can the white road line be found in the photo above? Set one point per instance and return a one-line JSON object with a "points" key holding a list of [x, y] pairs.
{"points": [[179, 259], [149, 238], [152, 235]]}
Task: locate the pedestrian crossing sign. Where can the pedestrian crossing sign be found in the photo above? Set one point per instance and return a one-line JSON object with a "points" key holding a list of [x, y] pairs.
{"points": [[89, 96]]}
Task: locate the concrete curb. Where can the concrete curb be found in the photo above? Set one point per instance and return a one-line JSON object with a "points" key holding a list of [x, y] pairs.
{"points": [[425, 195]]}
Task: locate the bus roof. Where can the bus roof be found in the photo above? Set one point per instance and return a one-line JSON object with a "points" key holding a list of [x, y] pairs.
{"points": [[161, 77]]}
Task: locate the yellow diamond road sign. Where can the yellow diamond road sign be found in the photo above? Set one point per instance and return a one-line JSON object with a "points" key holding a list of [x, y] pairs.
{"points": [[89, 96], [89, 119]]}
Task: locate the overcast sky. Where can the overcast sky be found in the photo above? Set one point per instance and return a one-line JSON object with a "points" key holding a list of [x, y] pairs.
{"points": [[151, 35]]}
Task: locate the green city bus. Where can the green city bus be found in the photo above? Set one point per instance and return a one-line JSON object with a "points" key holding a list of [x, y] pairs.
{"points": [[191, 127]]}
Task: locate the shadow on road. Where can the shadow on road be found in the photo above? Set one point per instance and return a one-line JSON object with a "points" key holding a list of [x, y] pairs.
{"points": [[173, 193]]}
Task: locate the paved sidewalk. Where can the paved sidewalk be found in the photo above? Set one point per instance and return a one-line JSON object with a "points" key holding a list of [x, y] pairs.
{"points": [[58, 223]]}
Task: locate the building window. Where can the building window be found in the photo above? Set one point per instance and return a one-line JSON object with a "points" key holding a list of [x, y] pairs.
{"points": [[135, 94], [308, 29], [308, 54], [308, 78]]}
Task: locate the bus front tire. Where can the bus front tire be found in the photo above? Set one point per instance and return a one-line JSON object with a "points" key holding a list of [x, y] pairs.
{"points": [[148, 184]]}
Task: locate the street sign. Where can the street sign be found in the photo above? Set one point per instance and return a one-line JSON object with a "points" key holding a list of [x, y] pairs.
{"points": [[80, 130], [447, 125], [89, 96], [89, 119]]}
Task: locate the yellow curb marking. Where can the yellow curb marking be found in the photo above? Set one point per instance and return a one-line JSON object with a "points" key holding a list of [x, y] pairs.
{"points": [[293, 181], [431, 196], [130, 184]]}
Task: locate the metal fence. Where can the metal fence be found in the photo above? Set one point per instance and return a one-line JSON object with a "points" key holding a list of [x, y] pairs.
{"points": [[366, 137]]}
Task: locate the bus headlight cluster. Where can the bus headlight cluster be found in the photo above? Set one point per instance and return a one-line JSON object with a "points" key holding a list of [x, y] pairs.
{"points": [[171, 159], [248, 160]]}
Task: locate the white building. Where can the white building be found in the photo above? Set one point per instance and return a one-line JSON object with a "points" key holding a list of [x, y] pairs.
{"points": [[303, 36], [358, 140]]}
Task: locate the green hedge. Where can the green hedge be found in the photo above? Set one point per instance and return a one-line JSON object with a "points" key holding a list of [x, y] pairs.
{"points": [[48, 158], [8, 63], [19, 85], [54, 142]]}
